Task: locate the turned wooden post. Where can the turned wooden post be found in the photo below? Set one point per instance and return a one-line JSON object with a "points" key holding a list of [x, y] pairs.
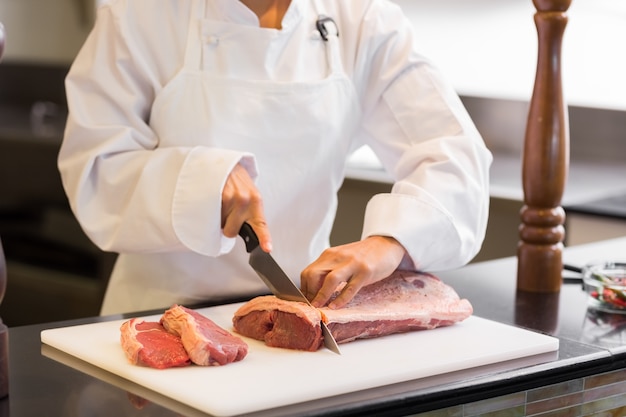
{"points": [[545, 159]]}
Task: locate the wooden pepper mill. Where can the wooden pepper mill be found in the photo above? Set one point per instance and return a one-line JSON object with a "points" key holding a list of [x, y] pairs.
{"points": [[545, 160]]}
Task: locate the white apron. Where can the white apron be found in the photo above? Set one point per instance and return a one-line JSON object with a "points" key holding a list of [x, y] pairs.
{"points": [[300, 134]]}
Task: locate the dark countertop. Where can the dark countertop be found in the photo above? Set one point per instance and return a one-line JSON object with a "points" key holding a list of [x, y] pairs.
{"points": [[594, 186], [612, 207], [589, 345]]}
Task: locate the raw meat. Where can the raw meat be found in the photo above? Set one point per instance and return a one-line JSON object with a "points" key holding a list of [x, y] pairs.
{"points": [[405, 301], [205, 342], [280, 323], [149, 344]]}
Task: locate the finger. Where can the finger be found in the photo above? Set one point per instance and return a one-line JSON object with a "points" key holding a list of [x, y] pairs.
{"points": [[255, 216], [242, 202], [311, 281], [232, 226], [262, 233], [347, 294], [330, 283], [235, 202], [234, 213]]}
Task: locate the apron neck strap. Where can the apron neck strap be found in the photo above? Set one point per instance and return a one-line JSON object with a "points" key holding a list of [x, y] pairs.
{"points": [[193, 51], [329, 33]]}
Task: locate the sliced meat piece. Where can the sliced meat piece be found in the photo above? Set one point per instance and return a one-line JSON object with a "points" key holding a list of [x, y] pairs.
{"points": [[405, 301], [280, 323], [147, 343], [206, 343]]}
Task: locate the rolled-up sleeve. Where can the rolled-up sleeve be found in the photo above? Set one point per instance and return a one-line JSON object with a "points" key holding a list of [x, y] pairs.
{"points": [[418, 127], [129, 193]]}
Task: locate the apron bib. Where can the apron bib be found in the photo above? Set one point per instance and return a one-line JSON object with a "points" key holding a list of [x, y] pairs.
{"points": [[300, 133]]}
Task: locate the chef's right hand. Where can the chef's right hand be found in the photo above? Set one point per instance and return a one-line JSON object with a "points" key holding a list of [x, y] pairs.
{"points": [[241, 202]]}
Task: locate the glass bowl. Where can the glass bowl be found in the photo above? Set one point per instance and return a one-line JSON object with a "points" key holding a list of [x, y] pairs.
{"points": [[605, 283]]}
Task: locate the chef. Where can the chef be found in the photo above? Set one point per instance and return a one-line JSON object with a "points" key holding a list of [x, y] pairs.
{"points": [[189, 117]]}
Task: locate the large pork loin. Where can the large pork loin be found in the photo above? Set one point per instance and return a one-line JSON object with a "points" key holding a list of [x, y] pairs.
{"points": [[206, 343], [405, 301]]}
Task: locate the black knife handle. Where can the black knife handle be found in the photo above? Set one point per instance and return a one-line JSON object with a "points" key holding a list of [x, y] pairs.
{"points": [[249, 237]]}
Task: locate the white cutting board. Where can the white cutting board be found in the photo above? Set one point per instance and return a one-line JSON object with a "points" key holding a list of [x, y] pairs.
{"points": [[270, 377]]}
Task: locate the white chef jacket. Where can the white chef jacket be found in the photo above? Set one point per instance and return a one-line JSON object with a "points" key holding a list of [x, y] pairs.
{"points": [[137, 191]]}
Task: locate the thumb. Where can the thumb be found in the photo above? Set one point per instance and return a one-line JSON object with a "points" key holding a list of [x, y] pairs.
{"points": [[263, 233]]}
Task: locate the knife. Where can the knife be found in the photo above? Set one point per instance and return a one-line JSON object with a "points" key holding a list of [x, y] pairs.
{"points": [[277, 280]]}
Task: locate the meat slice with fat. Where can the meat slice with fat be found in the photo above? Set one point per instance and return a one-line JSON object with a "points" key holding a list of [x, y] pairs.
{"points": [[147, 343], [405, 301], [280, 323], [206, 343]]}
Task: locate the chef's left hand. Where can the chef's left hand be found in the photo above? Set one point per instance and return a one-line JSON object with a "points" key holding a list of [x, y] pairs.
{"points": [[357, 264]]}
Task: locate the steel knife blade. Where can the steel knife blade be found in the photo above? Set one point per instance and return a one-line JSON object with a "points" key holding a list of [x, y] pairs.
{"points": [[277, 280]]}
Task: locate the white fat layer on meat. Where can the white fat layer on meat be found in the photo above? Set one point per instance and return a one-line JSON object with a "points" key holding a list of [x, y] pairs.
{"points": [[130, 344], [404, 295], [271, 303]]}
